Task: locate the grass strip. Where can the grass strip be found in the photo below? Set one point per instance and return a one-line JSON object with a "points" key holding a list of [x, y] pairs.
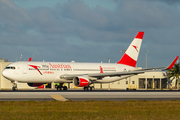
{"points": [[98, 110]]}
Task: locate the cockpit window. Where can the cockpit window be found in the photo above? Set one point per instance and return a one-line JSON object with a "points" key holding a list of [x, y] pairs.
{"points": [[10, 67]]}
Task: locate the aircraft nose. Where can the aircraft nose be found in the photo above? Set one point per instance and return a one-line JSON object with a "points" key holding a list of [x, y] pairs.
{"points": [[5, 73]]}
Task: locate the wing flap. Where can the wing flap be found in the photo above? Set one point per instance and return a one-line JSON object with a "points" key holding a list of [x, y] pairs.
{"points": [[101, 75]]}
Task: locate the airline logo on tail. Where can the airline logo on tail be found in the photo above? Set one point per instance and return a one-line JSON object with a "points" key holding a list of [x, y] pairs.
{"points": [[135, 47], [131, 55]]}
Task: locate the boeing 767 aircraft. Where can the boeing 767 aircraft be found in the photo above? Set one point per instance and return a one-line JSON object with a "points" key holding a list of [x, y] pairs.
{"points": [[80, 74]]}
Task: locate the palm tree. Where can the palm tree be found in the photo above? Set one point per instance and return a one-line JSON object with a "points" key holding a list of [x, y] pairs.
{"points": [[174, 74]]}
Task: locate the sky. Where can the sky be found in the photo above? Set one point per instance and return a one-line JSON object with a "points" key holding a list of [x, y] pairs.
{"points": [[89, 30]]}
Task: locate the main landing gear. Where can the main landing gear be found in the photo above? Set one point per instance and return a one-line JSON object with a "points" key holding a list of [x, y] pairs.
{"points": [[14, 83], [61, 87], [89, 88]]}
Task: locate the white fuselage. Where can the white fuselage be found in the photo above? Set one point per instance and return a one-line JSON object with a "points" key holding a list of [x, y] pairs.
{"points": [[83, 73], [47, 72]]}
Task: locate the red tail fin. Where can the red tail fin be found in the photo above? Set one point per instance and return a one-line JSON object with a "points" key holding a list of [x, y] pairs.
{"points": [[29, 59], [131, 55]]}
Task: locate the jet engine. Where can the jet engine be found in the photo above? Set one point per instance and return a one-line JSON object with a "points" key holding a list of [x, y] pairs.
{"points": [[35, 84], [81, 81]]}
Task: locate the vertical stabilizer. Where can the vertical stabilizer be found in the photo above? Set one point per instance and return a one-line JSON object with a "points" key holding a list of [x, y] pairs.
{"points": [[131, 55], [29, 59]]}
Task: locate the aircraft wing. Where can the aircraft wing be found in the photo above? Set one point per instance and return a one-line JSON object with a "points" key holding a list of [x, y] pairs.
{"points": [[111, 74], [101, 75]]}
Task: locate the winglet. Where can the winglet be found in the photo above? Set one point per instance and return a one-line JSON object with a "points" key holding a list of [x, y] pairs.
{"points": [[172, 64]]}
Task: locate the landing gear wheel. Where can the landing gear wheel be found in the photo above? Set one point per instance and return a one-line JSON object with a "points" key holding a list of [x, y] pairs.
{"points": [[61, 87], [58, 88], [14, 86], [91, 88], [86, 88], [65, 88]]}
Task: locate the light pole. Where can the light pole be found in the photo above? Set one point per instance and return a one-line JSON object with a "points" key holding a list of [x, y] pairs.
{"points": [[146, 57], [21, 58], [108, 60], [32, 57], [123, 51]]}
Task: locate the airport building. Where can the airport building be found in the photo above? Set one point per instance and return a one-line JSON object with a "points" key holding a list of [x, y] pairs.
{"points": [[148, 80]]}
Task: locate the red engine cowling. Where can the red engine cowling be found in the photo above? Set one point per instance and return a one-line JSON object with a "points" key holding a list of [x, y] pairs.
{"points": [[35, 84], [81, 81]]}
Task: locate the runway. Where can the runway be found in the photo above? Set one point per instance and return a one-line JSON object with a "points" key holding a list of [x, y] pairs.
{"points": [[74, 95]]}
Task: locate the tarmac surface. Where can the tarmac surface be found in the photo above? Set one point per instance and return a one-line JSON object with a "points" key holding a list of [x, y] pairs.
{"points": [[81, 95]]}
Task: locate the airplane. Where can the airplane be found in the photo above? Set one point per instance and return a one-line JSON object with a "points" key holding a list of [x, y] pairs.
{"points": [[80, 74]]}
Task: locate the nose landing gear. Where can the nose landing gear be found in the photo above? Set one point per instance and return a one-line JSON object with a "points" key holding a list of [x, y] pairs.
{"points": [[14, 84]]}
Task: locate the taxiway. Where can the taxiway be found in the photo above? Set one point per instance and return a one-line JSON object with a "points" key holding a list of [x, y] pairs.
{"points": [[74, 95]]}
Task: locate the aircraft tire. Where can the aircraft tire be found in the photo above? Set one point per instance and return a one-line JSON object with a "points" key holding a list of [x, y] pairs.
{"points": [[58, 88], [14, 88], [90, 88], [65, 88], [85, 88]]}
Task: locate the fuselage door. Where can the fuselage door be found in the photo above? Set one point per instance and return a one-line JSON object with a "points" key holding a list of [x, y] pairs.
{"points": [[24, 69], [16, 71]]}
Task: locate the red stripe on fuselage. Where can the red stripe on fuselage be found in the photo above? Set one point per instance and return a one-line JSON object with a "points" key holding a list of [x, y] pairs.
{"points": [[127, 60], [36, 67]]}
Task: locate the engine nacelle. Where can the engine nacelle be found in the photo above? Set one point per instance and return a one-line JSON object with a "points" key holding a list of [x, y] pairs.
{"points": [[81, 81], [35, 84]]}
